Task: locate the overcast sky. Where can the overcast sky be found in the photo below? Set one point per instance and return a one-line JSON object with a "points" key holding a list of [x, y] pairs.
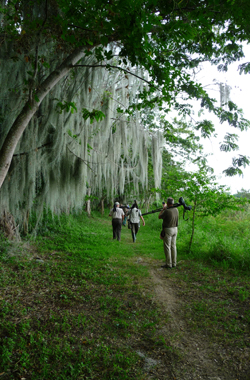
{"points": [[240, 91]]}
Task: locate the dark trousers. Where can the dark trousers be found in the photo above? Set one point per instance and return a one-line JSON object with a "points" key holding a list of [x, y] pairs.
{"points": [[117, 227], [134, 230]]}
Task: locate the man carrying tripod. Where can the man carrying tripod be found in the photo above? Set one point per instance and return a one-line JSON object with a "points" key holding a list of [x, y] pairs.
{"points": [[170, 216]]}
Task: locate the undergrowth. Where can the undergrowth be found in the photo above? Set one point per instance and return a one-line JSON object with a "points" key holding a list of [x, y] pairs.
{"points": [[73, 305]]}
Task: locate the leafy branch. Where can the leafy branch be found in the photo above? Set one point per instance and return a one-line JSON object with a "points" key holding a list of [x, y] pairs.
{"points": [[92, 115], [66, 106]]}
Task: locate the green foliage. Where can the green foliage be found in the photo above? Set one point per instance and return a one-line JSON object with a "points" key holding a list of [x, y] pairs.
{"points": [[89, 148], [244, 68], [234, 117], [65, 106], [236, 166], [229, 143], [202, 192], [90, 198], [71, 135], [209, 198], [92, 115], [206, 127], [168, 40], [181, 137]]}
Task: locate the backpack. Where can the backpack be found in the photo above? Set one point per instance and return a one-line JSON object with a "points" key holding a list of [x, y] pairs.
{"points": [[134, 212]]}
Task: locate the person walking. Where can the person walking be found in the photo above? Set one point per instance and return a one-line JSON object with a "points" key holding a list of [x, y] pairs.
{"points": [[126, 208], [117, 214], [170, 216], [135, 215]]}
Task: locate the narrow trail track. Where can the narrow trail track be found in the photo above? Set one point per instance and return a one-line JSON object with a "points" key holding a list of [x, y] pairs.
{"points": [[198, 353], [200, 357]]}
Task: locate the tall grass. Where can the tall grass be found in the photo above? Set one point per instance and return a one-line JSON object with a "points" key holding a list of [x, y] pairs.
{"points": [[221, 240]]}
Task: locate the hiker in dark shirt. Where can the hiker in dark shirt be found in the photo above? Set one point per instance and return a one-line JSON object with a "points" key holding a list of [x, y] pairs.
{"points": [[170, 216]]}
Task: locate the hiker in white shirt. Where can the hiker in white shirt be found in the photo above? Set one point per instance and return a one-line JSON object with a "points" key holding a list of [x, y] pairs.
{"points": [[117, 214], [135, 215]]}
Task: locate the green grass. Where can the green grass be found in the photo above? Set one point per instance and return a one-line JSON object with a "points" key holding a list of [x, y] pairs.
{"points": [[218, 301], [73, 311], [74, 303]]}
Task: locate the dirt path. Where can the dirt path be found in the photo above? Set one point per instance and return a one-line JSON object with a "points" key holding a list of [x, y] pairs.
{"points": [[200, 358]]}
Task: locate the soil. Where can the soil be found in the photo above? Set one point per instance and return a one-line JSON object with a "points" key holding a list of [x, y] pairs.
{"points": [[198, 356]]}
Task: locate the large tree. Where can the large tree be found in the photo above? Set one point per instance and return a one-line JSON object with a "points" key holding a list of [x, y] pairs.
{"points": [[165, 37]]}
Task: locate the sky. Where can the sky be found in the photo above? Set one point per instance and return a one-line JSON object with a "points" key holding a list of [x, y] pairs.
{"points": [[239, 94]]}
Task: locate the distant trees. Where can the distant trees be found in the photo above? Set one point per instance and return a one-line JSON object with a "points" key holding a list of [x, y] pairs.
{"points": [[243, 194]]}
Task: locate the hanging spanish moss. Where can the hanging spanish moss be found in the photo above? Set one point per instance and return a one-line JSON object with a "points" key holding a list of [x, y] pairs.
{"points": [[61, 154], [224, 95]]}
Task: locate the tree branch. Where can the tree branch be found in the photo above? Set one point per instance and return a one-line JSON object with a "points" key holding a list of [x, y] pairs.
{"points": [[35, 149], [118, 68], [85, 162], [32, 84]]}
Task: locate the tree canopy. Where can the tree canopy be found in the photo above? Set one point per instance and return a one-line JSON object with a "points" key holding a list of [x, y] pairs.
{"points": [[167, 39]]}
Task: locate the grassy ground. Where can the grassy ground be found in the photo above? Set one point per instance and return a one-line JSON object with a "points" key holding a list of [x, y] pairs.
{"points": [[75, 305]]}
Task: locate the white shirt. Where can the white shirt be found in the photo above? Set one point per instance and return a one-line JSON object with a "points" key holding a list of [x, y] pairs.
{"points": [[117, 214], [135, 214]]}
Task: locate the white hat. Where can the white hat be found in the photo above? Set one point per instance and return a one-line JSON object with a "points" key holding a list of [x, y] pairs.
{"points": [[117, 203]]}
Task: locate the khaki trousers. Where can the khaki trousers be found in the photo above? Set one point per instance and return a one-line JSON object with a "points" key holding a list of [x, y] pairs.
{"points": [[169, 244]]}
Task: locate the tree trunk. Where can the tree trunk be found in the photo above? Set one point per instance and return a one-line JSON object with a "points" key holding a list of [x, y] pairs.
{"points": [[26, 223], [192, 234], [102, 206], [88, 208], [147, 203], [30, 108]]}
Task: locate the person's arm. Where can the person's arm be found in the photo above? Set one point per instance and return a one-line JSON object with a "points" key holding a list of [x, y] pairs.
{"points": [[162, 211], [142, 220]]}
